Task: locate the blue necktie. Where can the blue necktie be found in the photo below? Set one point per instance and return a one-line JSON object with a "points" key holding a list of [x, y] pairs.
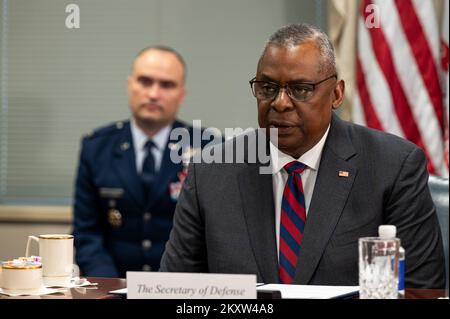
{"points": [[148, 167]]}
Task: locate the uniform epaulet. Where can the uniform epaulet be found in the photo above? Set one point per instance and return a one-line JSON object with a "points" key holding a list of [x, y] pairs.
{"points": [[110, 129]]}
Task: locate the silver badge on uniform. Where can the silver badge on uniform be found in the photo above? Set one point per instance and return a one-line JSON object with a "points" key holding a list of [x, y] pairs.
{"points": [[114, 218]]}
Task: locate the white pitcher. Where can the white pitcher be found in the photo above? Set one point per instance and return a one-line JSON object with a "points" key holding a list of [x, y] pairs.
{"points": [[56, 251]]}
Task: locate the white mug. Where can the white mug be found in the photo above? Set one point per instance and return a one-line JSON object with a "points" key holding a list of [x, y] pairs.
{"points": [[21, 278], [56, 251]]}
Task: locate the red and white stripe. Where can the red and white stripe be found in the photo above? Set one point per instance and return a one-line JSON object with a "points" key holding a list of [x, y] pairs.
{"points": [[444, 65], [398, 87]]}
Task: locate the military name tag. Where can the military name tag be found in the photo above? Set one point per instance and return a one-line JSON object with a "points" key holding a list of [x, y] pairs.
{"points": [[111, 192]]}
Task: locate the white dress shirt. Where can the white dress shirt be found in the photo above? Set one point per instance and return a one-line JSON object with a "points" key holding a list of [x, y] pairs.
{"points": [[139, 140], [279, 176]]}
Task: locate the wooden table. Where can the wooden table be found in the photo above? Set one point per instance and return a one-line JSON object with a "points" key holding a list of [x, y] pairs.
{"points": [[105, 285], [425, 293]]}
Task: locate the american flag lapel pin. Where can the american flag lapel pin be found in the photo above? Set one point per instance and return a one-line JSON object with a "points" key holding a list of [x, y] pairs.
{"points": [[343, 174]]}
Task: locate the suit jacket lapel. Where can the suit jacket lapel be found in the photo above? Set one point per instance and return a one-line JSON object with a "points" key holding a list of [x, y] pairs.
{"points": [[257, 201], [329, 197], [258, 207], [125, 165]]}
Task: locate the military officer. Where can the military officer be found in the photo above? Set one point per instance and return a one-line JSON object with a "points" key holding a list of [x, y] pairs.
{"points": [[127, 186]]}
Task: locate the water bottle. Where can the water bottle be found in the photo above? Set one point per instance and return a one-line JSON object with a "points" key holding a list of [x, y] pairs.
{"points": [[390, 231]]}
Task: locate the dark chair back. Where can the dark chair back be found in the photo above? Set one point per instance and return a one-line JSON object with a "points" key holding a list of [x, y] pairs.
{"points": [[439, 192]]}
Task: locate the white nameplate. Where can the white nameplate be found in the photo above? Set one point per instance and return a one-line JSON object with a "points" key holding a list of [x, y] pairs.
{"points": [[170, 285]]}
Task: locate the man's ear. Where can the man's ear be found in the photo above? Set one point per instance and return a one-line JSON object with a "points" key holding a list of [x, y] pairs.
{"points": [[339, 92]]}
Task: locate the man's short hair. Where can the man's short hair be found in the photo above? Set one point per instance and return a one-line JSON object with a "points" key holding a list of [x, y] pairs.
{"points": [[165, 48], [296, 34]]}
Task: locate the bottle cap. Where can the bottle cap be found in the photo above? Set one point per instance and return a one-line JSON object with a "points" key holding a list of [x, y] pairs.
{"points": [[387, 231]]}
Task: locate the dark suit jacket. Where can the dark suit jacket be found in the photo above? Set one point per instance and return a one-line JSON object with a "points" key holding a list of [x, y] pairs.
{"points": [[107, 180], [225, 218]]}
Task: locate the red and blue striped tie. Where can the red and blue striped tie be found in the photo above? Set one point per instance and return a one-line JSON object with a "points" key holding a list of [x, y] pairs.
{"points": [[292, 223]]}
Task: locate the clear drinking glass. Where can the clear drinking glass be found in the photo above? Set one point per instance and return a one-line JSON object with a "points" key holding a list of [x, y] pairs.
{"points": [[378, 267]]}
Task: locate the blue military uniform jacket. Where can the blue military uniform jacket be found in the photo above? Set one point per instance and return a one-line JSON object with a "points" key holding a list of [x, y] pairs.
{"points": [[117, 227]]}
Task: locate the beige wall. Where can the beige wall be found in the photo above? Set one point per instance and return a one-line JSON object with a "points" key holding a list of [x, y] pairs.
{"points": [[13, 237], [18, 222]]}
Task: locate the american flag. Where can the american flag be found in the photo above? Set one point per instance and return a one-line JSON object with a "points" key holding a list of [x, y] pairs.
{"points": [[402, 74], [444, 64]]}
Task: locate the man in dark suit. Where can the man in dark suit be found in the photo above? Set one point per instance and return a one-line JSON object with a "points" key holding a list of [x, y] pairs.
{"points": [[331, 183], [127, 185]]}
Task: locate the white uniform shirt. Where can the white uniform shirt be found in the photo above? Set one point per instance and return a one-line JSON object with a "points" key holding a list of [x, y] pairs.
{"points": [[139, 140]]}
